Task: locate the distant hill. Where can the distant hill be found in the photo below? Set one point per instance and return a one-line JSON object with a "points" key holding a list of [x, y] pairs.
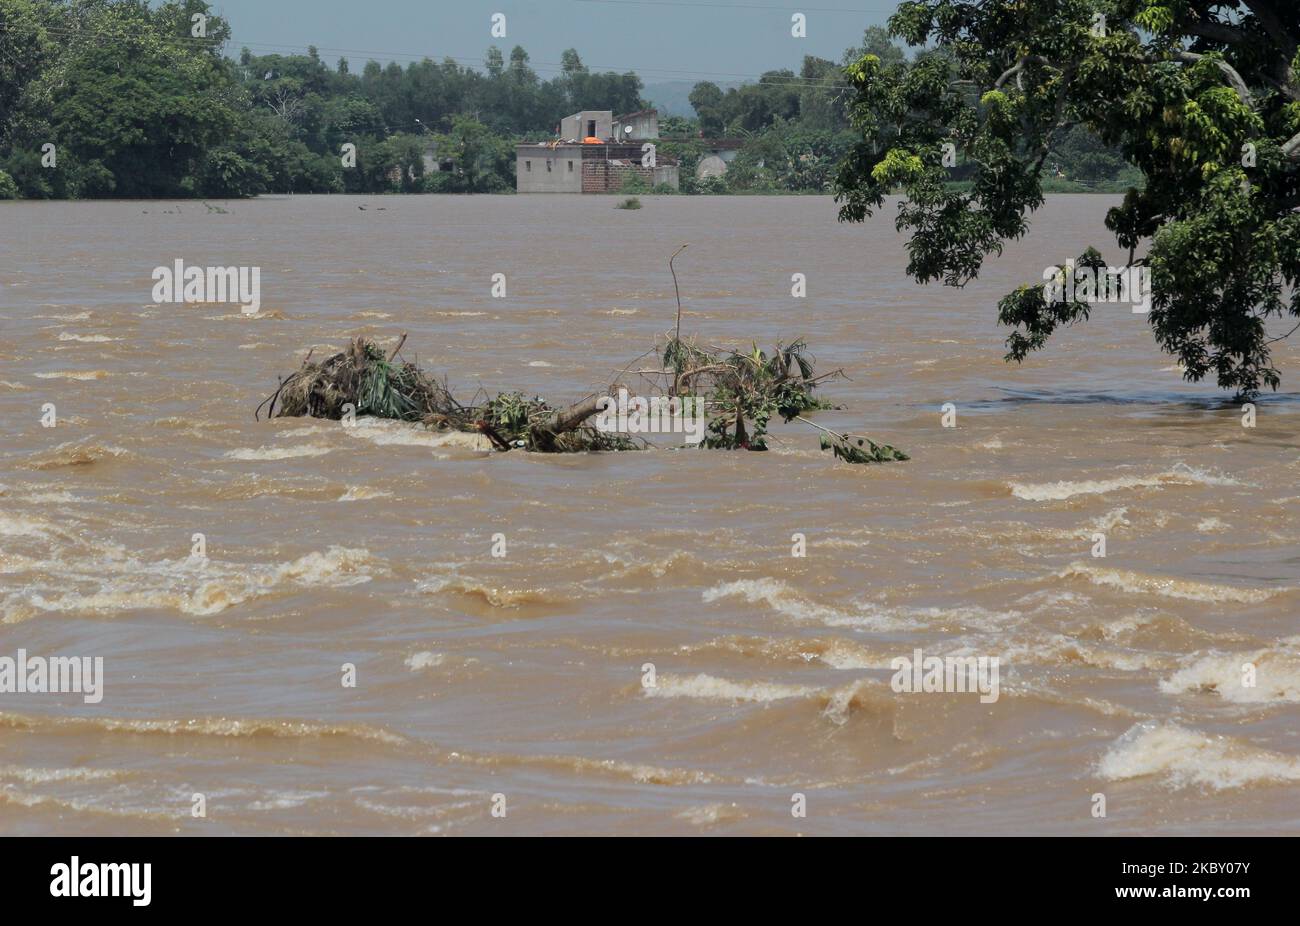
{"points": [[672, 97]]}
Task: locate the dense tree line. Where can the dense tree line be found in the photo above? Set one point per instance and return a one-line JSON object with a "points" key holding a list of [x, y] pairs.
{"points": [[136, 104], [140, 101]]}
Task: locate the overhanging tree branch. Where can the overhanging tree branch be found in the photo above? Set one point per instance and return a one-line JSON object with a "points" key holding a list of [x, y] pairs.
{"points": [[1272, 24], [1016, 69], [1228, 70]]}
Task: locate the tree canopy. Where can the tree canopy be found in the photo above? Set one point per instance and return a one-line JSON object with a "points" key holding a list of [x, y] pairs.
{"points": [[1200, 96], [136, 104]]}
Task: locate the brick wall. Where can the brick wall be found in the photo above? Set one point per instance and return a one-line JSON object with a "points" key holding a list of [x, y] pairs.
{"points": [[600, 176]]}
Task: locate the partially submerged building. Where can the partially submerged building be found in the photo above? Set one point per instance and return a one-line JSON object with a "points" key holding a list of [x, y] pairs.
{"points": [[595, 152]]}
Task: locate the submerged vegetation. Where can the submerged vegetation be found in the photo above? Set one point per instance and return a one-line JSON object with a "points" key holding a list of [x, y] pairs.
{"points": [[737, 391], [364, 380], [741, 391]]}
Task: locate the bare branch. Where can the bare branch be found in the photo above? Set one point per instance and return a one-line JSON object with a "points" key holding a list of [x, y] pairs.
{"points": [[1272, 24], [1228, 71], [1218, 32], [1232, 34], [1015, 70]]}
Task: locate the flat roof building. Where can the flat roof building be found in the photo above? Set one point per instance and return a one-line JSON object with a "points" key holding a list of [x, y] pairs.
{"points": [[594, 153]]}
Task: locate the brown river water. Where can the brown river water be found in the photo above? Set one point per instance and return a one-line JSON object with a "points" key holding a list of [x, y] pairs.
{"points": [[516, 681]]}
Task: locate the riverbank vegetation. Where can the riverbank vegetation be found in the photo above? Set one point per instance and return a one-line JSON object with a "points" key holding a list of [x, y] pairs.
{"points": [[121, 98]]}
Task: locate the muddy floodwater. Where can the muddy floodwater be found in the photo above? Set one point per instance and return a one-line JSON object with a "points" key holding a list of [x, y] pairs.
{"points": [[1164, 676]]}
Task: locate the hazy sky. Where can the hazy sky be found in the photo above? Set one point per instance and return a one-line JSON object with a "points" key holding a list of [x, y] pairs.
{"points": [[659, 39]]}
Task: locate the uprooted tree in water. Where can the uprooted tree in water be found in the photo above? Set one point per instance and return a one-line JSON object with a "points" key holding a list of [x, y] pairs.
{"points": [[366, 380], [737, 392], [740, 392]]}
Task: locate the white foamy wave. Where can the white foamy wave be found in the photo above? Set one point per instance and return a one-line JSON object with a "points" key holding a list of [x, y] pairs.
{"points": [[710, 688], [842, 655], [1058, 491], [277, 453], [778, 596], [310, 430], [115, 584], [86, 338], [51, 498], [1112, 519], [843, 543], [1167, 586], [337, 566], [1276, 675], [834, 652], [80, 375], [781, 598], [361, 493], [494, 595], [20, 526], [863, 694], [385, 433], [711, 814], [38, 776], [423, 660], [72, 453], [219, 727], [1058, 649], [285, 800], [1186, 757]]}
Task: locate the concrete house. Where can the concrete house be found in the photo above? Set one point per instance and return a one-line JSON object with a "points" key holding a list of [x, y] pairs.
{"points": [[590, 123], [640, 125], [594, 153]]}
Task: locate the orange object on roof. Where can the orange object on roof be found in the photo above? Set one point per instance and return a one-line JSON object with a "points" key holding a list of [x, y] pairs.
{"points": [[592, 140]]}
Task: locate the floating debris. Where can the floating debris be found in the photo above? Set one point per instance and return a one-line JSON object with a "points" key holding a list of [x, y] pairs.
{"points": [[738, 391], [364, 380]]}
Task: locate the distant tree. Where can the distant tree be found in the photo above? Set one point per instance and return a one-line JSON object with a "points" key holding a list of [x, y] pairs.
{"points": [[1085, 157], [876, 40], [822, 102], [706, 100], [26, 48], [483, 162], [131, 108], [570, 62], [677, 125], [137, 105]]}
